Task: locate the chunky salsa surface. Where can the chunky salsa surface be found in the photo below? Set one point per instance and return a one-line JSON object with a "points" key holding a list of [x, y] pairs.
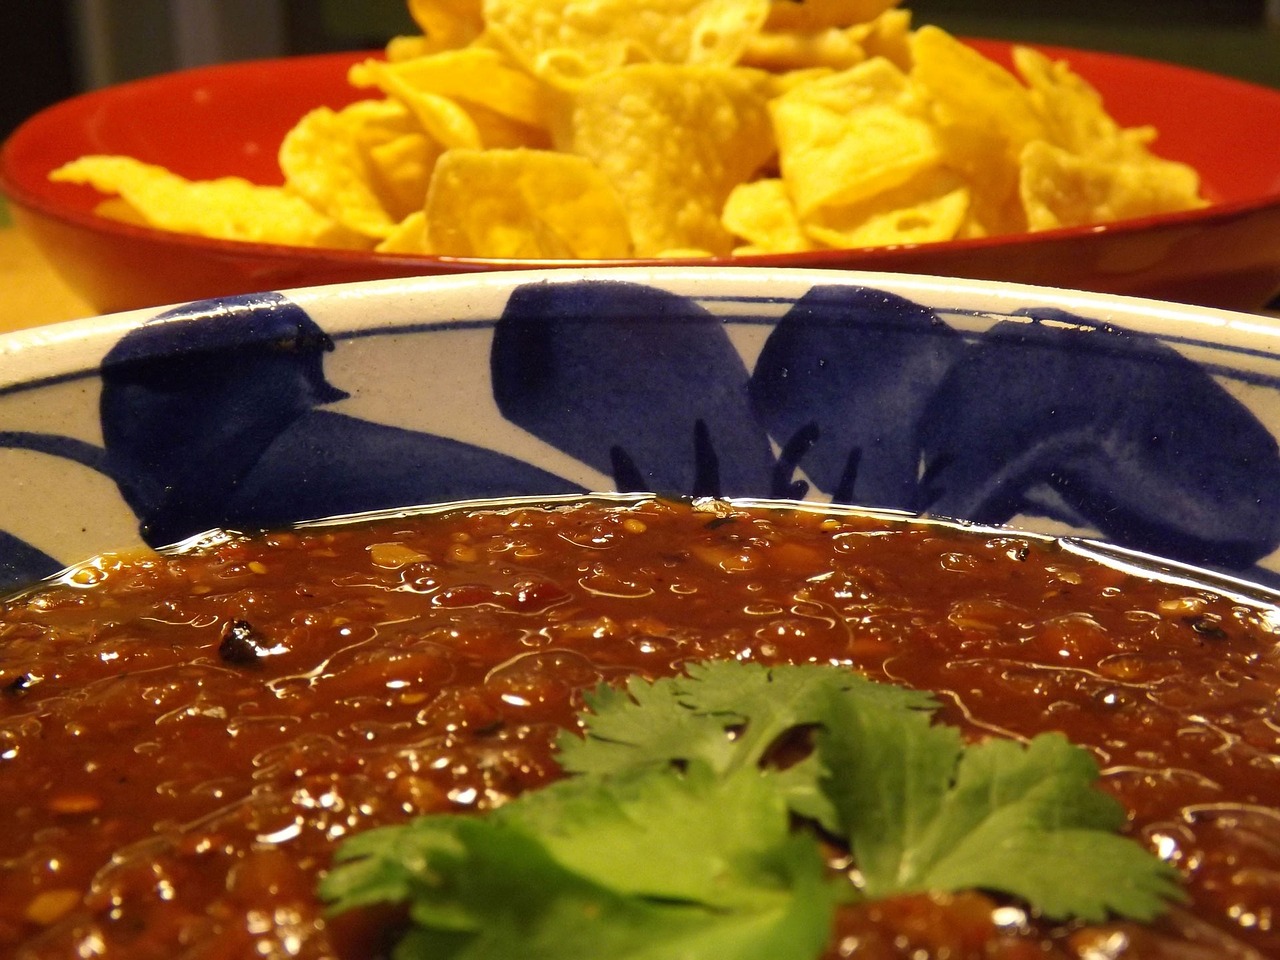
{"points": [[185, 739]]}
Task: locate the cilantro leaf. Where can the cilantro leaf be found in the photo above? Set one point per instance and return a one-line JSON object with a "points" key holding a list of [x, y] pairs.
{"points": [[726, 714], [645, 724], [885, 772], [526, 905], [653, 863], [688, 717], [675, 833], [923, 812], [688, 835]]}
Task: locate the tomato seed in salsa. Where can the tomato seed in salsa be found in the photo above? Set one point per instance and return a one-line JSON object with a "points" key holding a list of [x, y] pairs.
{"points": [[186, 738]]}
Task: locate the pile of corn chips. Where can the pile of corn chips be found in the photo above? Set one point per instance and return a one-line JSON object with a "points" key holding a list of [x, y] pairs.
{"points": [[601, 129]]}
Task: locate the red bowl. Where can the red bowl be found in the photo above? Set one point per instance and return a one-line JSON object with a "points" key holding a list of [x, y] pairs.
{"points": [[230, 119]]}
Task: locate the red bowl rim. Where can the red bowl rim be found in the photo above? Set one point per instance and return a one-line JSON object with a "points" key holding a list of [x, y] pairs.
{"points": [[20, 195]]}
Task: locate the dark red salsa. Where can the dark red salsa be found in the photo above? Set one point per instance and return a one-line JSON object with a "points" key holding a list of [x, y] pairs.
{"points": [[186, 738]]}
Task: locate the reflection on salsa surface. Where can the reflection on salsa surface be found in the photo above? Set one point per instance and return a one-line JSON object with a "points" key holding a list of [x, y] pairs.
{"points": [[187, 738]]}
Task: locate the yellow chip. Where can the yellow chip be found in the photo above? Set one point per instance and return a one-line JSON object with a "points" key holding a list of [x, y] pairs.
{"points": [[761, 213], [780, 83], [677, 127], [1062, 189], [565, 42], [496, 130], [1072, 110], [1074, 114], [228, 208], [845, 138], [326, 158], [811, 16], [447, 24], [927, 209], [981, 157], [409, 236], [476, 75], [674, 141], [1091, 170], [401, 169], [978, 92], [441, 117], [527, 204], [117, 208], [834, 48], [685, 253], [983, 116], [472, 98], [399, 49], [889, 36]]}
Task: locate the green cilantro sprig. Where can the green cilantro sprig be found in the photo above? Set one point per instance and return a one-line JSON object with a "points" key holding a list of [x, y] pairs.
{"points": [[681, 830]]}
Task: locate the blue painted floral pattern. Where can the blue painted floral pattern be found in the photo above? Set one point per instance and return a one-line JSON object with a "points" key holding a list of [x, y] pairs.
{"points": [[224, 428], [855, 395], [878, 402], [641, 384]]}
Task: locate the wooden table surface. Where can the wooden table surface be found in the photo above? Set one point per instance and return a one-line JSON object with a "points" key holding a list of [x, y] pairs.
{"points": [[31, 294]]}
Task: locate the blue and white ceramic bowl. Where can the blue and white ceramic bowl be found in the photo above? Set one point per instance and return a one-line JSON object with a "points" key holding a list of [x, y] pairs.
{"points": [[1147, 425]]}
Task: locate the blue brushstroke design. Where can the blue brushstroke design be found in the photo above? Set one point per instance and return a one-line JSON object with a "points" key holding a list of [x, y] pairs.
{"points": [[326, 464], [878, 401], [22, 563], [1134, 438], [640, 383], [869, 396], [55, 445], [841, 384], [215, 424]]}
